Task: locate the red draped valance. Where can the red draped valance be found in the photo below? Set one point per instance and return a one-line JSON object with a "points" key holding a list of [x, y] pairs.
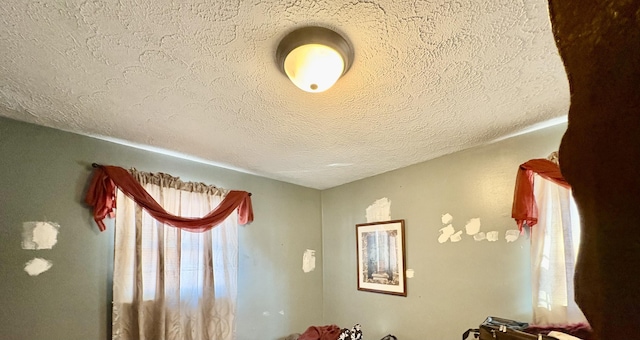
{"points": [[524, 208], [102, 197]]}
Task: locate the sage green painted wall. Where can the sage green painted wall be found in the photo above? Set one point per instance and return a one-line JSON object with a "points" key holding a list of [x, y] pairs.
{"points": [[44, 172], [456, 285], [43, 175]]}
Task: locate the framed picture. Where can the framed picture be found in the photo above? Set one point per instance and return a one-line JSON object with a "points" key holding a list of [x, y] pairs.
{"points": [[381, 259]]}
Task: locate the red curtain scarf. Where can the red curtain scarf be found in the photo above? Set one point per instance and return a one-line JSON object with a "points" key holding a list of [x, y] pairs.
{"points": [[102, 197], [524, 208]]}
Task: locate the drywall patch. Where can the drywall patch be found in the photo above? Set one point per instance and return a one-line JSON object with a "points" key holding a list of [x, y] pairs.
{"points": [[492, 236], [447, 218], [445, 233], [512, 235], [479, 236], [37, 266], [410, 273], [456, 237], [379, 211], [39, 235], [473, 226], [309, 260]]}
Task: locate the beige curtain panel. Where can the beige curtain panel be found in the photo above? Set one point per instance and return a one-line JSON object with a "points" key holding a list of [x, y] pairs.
{"points": [[171, 284]]}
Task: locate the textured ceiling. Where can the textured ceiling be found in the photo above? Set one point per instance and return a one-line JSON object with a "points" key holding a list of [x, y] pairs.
{"points": [[199, 78]]}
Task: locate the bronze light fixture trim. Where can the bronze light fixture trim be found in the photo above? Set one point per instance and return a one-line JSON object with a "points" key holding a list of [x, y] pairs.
{"points": [[314, 58]]}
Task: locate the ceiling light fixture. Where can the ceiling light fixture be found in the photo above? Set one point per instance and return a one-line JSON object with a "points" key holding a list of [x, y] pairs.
{"points": [[314, 58]]}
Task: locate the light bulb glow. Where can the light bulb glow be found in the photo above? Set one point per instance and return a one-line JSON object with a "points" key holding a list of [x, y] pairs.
{"points": [[314, 67]]}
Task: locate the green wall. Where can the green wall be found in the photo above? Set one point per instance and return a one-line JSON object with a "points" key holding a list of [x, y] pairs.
{"points": [[44, 172], [43, 175], [456, 285]]}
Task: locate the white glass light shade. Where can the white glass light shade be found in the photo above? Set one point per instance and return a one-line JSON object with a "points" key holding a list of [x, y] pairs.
{"points": [[314, 67]]}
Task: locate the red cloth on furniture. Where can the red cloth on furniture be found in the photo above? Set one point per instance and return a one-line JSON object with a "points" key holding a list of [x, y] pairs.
{"points": [[330, 332], [524, 208], [581, 330], [102, 192]]}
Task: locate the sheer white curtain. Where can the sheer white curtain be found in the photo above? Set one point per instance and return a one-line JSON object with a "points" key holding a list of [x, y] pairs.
{"points": [[554, 249], [172, 284]]}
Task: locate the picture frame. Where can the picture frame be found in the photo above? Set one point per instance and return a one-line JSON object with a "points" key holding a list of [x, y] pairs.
{"points": [[380, 252]]}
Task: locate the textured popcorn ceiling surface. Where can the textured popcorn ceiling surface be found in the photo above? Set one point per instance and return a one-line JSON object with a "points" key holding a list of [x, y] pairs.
{"points": [[199, 78]]}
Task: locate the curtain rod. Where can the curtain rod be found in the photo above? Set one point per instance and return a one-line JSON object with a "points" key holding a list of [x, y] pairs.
{"points": [[96, 165]]}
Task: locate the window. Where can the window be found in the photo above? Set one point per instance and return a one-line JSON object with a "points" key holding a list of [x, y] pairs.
{"points": [[555, 242], [169, 282]]}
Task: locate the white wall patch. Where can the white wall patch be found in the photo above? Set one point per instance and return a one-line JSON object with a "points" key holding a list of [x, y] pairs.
{"points": [[281, 312], [379, 211], [266, 314], [410, 273], [479, 236], [492, 236], [309, 260], [445, 233], [39, 235], [456, 237], [512, 235], [447, 218], [37, 266], [473, 226]]}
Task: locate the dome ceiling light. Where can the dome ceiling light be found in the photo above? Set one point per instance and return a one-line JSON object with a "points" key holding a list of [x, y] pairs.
{"points": [[314, 58]]}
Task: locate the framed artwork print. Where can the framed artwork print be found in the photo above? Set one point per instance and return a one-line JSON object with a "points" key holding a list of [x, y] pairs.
{"points": [[381, 258]]}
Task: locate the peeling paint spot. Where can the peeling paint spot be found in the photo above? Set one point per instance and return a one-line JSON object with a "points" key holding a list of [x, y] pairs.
{"points": [[37, 266], [410, 273], [479, 236], [379, 211], [309, 260], [456, 237], [512, 235], [447, 218], [39, 235], [473, 226], [445, 233], [492, 236]]}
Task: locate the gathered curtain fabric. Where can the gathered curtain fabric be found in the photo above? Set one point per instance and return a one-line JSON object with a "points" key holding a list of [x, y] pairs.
{"points": [[170, 284], [102, 192], [524, 209], [554, 249]]}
